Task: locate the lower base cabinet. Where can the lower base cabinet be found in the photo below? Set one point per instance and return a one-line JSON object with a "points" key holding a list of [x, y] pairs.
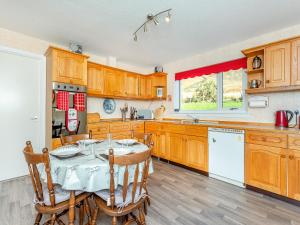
{"points": [[266, 168], [196, 150], [294, 174], [176, 147]]}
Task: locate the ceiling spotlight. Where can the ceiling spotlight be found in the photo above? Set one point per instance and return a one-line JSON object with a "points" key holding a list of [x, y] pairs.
{"points": [[152, 18], [168, 17]]}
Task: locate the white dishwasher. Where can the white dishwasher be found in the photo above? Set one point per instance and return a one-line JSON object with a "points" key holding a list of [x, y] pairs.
{"points": [[226, 155]]}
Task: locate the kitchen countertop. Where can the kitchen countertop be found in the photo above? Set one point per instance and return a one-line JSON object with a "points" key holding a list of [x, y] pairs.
{"points": [[264, 127]]}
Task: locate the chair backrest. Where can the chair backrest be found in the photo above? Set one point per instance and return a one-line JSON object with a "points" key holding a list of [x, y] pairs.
{"points": [[126, 161], [33, 159], [145, 138], [71, 139]]}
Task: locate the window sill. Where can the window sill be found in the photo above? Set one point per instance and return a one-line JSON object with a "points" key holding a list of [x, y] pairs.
{"points": [[237, 113]]}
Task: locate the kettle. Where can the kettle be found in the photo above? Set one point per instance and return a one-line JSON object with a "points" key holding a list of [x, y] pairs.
{"points": [[283, 117], [255, 83]]}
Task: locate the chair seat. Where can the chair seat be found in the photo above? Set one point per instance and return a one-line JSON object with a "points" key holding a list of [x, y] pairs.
{"points": [[61, 195], [105, 195]]}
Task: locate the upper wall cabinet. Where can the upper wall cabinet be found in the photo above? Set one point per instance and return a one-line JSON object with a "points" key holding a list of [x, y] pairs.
{"points": [[279, 69], [66, 67], [296, 62], [105, 81], [277, 65], [132, 85]]}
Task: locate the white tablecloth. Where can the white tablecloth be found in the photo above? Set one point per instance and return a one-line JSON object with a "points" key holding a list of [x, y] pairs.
{"points": [[86, 173]]}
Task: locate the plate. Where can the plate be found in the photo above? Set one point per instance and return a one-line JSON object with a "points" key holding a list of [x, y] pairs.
{"points": [[88, 141], [65, 151], [119, 151], [127, 141]]}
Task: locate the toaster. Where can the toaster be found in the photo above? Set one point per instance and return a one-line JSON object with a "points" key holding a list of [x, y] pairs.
{"points": [[144, 114]]}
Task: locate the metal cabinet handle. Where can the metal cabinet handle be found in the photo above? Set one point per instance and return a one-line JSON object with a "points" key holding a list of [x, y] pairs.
{"points": [[214, 140]]}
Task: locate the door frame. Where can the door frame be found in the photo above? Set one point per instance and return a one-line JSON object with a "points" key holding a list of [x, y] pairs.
{"points": [[42, 89]]}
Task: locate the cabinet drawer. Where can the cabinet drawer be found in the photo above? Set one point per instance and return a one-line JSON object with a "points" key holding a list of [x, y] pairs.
{"points": [[138, 126], [266, 138], [119, 127], [196, 130], [294, 141], [98, 127], [121, 135], [174, 128], [152, 126]]}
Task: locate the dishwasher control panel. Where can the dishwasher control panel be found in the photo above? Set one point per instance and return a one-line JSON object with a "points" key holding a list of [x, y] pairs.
{"points": [[226, 130]]}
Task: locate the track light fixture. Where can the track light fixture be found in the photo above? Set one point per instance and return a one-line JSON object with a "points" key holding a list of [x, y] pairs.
{"points": [[152, 18]]}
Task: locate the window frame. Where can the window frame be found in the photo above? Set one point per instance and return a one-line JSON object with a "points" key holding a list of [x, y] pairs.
{"points": [[220, 109]]}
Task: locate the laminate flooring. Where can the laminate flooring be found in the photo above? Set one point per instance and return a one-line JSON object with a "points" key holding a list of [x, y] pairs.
{"points": [[178, 197]]}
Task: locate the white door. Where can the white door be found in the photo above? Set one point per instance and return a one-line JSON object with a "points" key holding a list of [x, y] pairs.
{"points": [[20, 108]]}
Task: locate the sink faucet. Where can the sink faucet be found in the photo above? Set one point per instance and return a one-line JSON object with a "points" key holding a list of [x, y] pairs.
{"points": [[195, 119]]}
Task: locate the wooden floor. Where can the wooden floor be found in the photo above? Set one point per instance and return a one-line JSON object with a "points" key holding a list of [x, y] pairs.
{"points": [[178, 196]]}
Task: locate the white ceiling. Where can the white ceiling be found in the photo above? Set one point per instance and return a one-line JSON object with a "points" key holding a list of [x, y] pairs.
{"points": [[105, 27]]}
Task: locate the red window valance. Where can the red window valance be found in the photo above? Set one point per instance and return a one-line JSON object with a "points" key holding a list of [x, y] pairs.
{"points": [[216, 68]]}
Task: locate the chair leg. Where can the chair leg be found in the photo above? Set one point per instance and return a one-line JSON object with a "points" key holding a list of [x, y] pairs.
{"points": [[38, 219], [81, 213], [53, 219], [145, 207], [87, 210], [94, 216], [142, 216], [114, 220], [72, 208]]}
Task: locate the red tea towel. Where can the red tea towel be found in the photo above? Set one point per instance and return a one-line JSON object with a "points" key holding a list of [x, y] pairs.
{"points": [[62, 100], [79, 101]]}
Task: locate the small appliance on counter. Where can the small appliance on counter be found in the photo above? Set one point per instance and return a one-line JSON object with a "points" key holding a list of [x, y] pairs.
{"points": [[283, 118], [144, 114]]}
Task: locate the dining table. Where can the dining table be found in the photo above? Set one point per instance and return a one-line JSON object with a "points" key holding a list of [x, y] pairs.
{"points": [[89, 170]]}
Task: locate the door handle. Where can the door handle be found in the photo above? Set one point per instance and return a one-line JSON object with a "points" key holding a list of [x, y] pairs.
{"points": [[214, 140], [34, 118]]}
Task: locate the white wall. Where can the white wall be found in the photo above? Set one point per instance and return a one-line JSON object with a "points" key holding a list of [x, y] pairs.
{"points": [[34, 45], [233, 51]]}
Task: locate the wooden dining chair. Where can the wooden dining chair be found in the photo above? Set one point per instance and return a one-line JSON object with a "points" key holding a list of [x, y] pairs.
{"points": [[145, 138], [72, 139], [124, 200], [51, 199]]}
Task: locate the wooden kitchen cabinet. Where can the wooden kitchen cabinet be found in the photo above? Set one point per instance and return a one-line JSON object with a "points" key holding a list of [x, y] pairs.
{"points": [[294, 174], [132, 85], [196, 149], [266, 168], [66, 67], [145, 86], [95, 85], [277, 65], [176, 147], [295, 62], [114, 82]]}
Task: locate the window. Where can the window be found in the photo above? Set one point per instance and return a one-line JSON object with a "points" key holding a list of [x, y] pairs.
{"points": [[215, 92]]}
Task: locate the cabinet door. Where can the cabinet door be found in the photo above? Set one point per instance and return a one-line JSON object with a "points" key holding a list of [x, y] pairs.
{"points": [[145, 90], [277, 65], [197, 152], [132, 85], [155, 149], [294, 174], [296, 62], [163, 147], [95, 84], [69, 68], [266, 168], [176, 142], [114, 82]]}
